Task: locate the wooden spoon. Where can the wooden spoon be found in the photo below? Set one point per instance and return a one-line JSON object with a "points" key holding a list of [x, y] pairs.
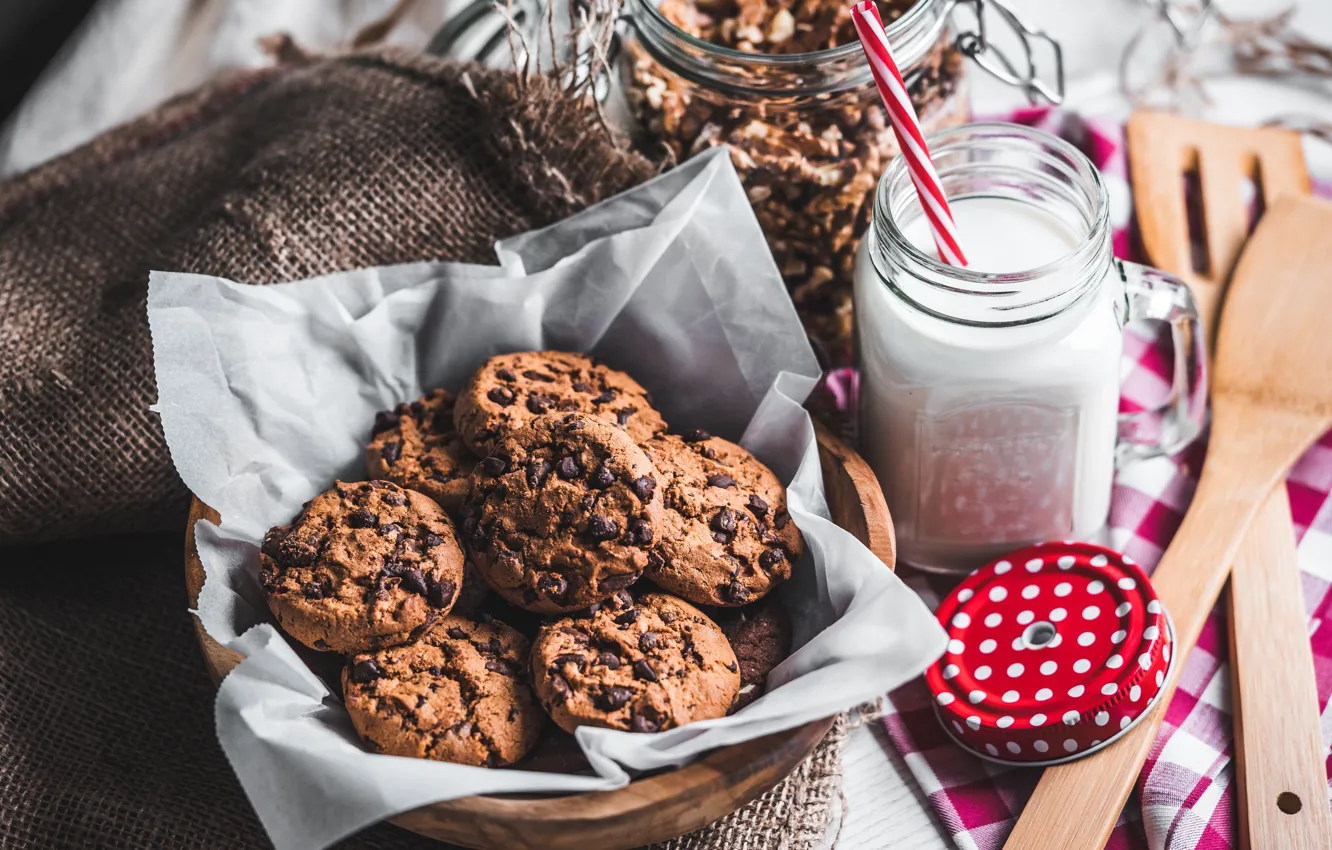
{"points": [[1271, 399], [1274, 693]]}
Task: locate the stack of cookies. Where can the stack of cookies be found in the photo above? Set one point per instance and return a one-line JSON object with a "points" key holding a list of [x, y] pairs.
{"points": [[552, 481]]}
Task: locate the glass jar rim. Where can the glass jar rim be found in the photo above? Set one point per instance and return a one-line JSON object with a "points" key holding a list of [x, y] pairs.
{"points": [[887, 231], [912, 36]]}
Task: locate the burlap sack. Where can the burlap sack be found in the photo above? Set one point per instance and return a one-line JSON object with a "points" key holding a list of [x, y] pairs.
{"points": [[106, 732], [360, 160]]}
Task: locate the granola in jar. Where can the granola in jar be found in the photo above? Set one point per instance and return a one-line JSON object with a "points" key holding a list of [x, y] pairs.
{"points": [[785, 85]]}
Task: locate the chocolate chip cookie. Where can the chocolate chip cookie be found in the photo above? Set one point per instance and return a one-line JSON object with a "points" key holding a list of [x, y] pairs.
{"points": [[416, 446], [365, 565], [562, 513], [511, 390], [643, 666], [461, 693], [726, 537], [760, 634]]}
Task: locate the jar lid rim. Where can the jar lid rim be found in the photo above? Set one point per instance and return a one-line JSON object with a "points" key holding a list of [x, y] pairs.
{"points": [[843, 51]]}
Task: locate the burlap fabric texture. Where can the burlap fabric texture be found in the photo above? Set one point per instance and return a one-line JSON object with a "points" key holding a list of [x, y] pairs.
{"points": [[106, 733]]}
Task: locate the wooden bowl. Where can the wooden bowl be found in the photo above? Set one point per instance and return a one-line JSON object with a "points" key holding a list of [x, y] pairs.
{"points": [[653, 808]]}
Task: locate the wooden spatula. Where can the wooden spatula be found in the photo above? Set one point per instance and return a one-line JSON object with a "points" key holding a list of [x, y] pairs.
{"points": [[1274, 693], [1271, 399]]}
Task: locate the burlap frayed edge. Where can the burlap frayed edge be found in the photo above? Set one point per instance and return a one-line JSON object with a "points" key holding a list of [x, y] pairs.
{"points": [[595, 159]]}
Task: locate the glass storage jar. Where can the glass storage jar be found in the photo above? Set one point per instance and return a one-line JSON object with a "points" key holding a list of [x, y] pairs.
{"points": [[807, 130]]}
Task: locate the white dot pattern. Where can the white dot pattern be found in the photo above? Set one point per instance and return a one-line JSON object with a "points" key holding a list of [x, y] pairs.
{"points": [[975, 696], [992, 620], [1031, 591], [1040, 746], [1044, 694], [1063, 589], [945, 698], [1038, 719], [1095, 587], [1034, 565], [1082, 665], [1015, 670], [961, 619], [1086, 639], [956, 646], [1048, 667], [983, 672], [987, 646], [998, 594], [1058, 615], [1026, 617], [1002, 567], [1010, 696]]}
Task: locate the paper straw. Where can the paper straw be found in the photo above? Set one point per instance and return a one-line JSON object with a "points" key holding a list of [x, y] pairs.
{"points": [[906, 126]]}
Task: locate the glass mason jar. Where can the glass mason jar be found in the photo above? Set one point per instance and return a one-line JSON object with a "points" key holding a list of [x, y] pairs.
{"points": [[990, 401], [807, 131]]}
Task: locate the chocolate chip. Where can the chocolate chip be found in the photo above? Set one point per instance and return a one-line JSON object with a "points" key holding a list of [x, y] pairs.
{"points": [[644, 488], [614, 698], [365, 672], [440, 477], [569, 468], [732, 666], [602, 528], [495, 665], [736, 593], [609, 660], [505, 375], [361, 518], [697, 435], [771, 558], [560, 686], [397, 500], [457, 633], [529, 595], [640, 532], [552, 586], [566, 404], [391, 452], [413, 581], [647, 641], [723, 481], [781, 519], [582, 387], [496, 464], [533, 375], [475, 532], [624, 598], [619, 582], [628, 617], [418, 409], [639, 723], [622, 416], [539, 404], [385, 420], [602, 478], [574, 658], [537, 473], [605, 398], [272, 540], [313, 590], [441, 594], [668, 616], [724, 521], [433, 540], [757, 506], [644, 671], [502, 396]]}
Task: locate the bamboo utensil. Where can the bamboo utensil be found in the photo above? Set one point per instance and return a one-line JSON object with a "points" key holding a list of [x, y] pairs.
{"points": [[1274, 694], [1271, 399]]}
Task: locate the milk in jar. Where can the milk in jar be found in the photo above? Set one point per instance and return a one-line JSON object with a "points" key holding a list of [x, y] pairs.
{"points": [[989, 396]]}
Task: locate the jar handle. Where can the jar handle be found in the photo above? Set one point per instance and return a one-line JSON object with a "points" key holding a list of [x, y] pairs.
{"points": [[1153, 295], [1023, 75]]}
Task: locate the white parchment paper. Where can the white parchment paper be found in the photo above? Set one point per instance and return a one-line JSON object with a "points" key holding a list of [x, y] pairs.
{"points": [[267, 395]]}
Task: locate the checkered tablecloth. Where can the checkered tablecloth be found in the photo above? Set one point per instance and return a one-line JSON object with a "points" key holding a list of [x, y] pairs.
{"points": [[1185, 796]]}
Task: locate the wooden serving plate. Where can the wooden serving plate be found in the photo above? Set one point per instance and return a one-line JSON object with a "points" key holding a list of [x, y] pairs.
{"points": [[656, 807]]}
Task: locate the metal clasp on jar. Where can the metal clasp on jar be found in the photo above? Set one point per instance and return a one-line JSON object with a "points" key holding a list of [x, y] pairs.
{"points": [[1023, 74]]}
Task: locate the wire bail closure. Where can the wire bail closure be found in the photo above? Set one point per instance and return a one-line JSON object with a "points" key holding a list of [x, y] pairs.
{"points": [[1021, 74]]}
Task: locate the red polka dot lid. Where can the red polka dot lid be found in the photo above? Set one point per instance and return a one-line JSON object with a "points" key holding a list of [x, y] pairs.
{"points": [[1053, 652]]}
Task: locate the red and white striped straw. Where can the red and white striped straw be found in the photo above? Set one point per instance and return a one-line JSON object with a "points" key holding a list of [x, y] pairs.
{"points": [[906, 126]]}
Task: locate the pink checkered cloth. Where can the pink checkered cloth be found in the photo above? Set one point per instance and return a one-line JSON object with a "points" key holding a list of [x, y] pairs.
{"points": [[1184, 797]]}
